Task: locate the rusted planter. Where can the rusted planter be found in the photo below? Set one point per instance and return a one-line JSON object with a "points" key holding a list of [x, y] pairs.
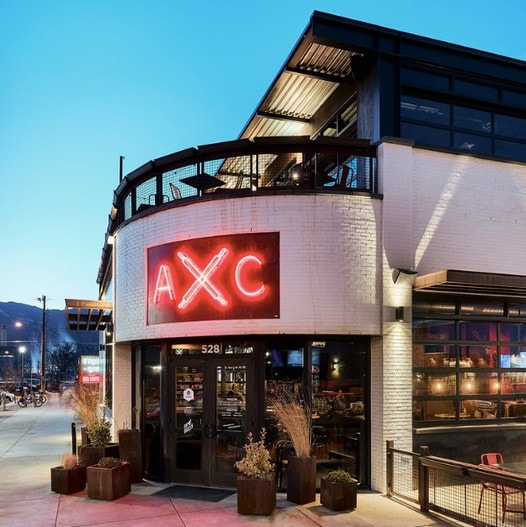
{"points": [[108, 483], [301, 479], [337, 495], [130, 449], [68, 480], [91, 455], [256, 496]]}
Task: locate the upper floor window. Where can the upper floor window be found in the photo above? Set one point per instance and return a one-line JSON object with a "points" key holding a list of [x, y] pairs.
{"points": [[445, 125], [446, 111]]}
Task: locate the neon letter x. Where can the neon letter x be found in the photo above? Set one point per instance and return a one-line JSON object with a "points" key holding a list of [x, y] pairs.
{"points": [[202, 278]]}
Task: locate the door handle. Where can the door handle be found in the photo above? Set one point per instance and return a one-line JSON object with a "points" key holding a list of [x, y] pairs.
{"points": [[209, 430]]}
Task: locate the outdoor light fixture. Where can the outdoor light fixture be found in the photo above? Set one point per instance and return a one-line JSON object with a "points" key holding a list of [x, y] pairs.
{"points": [[403, 275], [399, 313]]}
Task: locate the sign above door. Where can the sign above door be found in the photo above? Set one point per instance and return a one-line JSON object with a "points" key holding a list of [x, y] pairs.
{"points": [[221, 277]]}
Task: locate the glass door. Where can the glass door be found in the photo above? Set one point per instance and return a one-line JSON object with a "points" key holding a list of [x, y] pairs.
{"points": [[212, 400]]}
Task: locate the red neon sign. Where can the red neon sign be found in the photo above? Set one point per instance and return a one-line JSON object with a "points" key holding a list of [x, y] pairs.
{"points": [[223, 277]]}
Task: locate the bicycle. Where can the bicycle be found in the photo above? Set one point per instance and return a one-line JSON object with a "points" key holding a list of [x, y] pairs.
{"points": [[37, 399]]}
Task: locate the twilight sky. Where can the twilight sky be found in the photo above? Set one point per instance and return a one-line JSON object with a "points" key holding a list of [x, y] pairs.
{"points": [[84, 82]]}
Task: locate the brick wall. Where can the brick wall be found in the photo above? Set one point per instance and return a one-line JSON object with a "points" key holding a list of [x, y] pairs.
{"points": [[329, 261]]}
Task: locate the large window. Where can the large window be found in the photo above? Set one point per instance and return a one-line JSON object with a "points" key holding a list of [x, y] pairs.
{"points": [[331, 375], [469, 360], [446, 112]]}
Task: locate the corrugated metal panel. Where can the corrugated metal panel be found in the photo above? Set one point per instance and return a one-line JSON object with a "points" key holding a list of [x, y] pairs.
{"points": [[264, 127], [298, 96], [326, 60]]}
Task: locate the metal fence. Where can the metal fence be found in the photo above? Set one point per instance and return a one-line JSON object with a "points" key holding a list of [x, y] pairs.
{"points": [[476, 495]]}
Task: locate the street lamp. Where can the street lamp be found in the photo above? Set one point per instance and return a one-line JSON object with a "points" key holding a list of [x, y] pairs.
{"points": [[43, 351], [7, 346], [22, 351]]}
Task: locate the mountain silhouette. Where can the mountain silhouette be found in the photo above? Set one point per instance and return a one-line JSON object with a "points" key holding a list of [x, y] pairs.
{"points": [[21, 325]]}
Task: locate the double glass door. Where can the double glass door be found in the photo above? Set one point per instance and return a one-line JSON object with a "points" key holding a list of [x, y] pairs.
{"points": [[213, 397]]}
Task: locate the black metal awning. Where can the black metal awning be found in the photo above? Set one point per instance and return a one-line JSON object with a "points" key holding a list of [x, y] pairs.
{"points": [[88, 315], [472, 283]]}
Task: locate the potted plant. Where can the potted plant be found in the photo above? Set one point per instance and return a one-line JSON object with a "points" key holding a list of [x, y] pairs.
{"points": [[96, 431], [295, 418], [100, 445], [69, 477], [338, 490], [109, 479], [256, 486]]}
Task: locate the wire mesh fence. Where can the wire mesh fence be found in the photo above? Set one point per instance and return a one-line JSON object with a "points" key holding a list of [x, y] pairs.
{"points": [[482, 496]]}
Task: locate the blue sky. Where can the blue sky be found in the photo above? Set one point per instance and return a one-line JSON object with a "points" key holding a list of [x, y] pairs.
{"points": [[84, 82]]}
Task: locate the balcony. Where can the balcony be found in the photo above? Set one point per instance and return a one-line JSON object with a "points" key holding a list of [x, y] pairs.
{"points": [[241, 168]]}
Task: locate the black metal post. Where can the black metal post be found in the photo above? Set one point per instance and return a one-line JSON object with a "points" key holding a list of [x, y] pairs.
{"points": [[73, 439]]}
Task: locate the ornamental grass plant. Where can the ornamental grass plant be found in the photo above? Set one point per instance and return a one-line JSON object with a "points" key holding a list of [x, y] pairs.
{"points": [[87, 405], [69, 461], [295, 417], [257, 463]]}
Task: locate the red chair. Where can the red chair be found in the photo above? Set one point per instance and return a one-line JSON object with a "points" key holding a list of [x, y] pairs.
{"points": [[343, 180], [495, 460]]}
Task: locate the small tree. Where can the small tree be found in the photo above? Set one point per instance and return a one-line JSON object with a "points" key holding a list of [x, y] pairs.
{"points": [[62, 362]]}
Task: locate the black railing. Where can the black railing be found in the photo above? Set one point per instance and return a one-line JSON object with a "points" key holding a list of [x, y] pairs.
{"points": [[264, 164], [244, 167], [477, 495]]}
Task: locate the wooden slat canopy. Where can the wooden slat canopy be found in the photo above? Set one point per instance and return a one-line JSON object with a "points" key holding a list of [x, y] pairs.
{"points": [[88, 315], [473, 283]]}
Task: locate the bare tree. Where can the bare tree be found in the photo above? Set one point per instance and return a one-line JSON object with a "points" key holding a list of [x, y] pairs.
{"points": [[62, 363]]}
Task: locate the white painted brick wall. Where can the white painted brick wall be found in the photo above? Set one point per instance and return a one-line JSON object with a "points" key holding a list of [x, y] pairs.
{"points": [[329, 255], [122, 382], [439, 211], [446, 211]]}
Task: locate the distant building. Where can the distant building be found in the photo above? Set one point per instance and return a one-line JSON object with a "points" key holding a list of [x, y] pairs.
{"points": [[361, 244]]}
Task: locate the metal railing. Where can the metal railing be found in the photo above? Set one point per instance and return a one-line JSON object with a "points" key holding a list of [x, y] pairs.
{"points": [[262, 166], [474, 494]]}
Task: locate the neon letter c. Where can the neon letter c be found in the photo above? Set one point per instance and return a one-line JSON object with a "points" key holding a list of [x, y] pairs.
{"points": [[239, 268]]}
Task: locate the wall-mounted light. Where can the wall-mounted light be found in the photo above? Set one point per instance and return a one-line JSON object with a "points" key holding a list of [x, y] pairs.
{"points": [[404, 276], [335, 364], [399, 313]]}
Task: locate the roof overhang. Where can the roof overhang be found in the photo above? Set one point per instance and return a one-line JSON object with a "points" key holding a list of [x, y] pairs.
{"points": [[472, 283], [334, 52], [88, 315]]}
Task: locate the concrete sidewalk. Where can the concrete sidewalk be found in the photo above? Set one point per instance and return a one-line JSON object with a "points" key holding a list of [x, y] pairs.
{"points": [[32, 440]]}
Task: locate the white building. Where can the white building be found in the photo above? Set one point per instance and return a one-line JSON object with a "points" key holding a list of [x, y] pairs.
{"points": [[373, 205]]}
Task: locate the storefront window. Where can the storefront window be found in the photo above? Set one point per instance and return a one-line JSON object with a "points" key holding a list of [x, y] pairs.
{"points": [[434, 330], [468, 376], [338, 399], [284, 369]]}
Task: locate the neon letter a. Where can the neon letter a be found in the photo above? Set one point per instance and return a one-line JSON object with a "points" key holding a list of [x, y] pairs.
{"points": [[163, 285]]}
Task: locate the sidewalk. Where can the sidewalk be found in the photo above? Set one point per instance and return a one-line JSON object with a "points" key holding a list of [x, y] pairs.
{"points": [[32, 440]]}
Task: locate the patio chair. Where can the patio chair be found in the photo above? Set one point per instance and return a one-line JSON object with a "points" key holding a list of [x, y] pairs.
{"points": [[176, 193], [495, 460], [346, 177]]}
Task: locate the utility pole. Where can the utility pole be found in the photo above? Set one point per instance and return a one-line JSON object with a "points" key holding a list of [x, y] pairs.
{"points": [[43, 352]]}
